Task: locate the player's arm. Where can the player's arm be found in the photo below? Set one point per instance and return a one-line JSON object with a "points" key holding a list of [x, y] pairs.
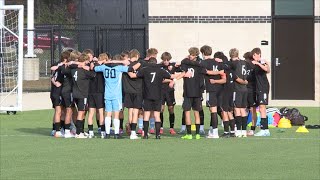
{"points": [[265, 66], [99, 68], [241, 81], [57, 66], [223, 80]]}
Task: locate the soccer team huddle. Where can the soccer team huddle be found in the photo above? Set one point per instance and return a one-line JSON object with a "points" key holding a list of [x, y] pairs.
{"points": [[103, 86]]}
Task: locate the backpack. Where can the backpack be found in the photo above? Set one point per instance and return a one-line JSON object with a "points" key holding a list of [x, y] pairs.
{"points": [[294, 115]]}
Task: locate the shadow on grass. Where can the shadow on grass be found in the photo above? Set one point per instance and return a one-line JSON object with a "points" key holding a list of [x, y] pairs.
{"points": [[35, 131]]}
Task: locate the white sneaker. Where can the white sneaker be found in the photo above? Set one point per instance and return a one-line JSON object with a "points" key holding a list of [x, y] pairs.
{"points": [[134, 136], [58, 134], [244, 133], [238, 133], [91, 136], [103, 135], [53, 132], [81, 136], [263, 133], [68, 134]]}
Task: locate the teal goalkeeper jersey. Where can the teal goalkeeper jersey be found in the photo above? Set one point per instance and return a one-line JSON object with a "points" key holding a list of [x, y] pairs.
{"points": [[113, 78]]}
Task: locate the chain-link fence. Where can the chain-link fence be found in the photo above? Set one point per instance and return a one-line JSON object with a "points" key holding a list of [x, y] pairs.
{"points": [[51, 40]]}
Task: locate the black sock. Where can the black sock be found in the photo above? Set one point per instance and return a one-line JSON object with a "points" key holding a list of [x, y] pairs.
{"points": [[231, 124], [244, 123], [197, 128], [238, 122], [62, 124], [226, 126], [103, 128], [145, 127], [90, 127], [158, 126], [201, 117], [214, 120], [67, 126], [264, 123], [57, 126], [78, 126], [133, 126], [161, 118], [98, 123], [53, 126], [188, 129], [121, 123], [183, 119], [253, 128], [219, 112], [83, 124], [171, 120]]}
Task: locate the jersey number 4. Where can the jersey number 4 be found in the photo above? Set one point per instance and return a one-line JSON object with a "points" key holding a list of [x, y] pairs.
{"points": [[110, 73], [75, 76]]}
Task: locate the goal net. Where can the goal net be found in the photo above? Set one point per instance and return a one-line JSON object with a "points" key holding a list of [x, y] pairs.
{"points": [[11, 57]]}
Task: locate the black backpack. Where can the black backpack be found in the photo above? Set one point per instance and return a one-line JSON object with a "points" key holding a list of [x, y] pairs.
{"points": [[294, 115]]}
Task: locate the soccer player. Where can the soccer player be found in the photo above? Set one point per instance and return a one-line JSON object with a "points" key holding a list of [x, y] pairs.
{"points": [[251, 86], [168, 92], [262, 88], [240, 94], [227, 100], [214, 86], [153, 77], [55, 94], [133, 98], [113, 94], [95, 98], [80, 90]]}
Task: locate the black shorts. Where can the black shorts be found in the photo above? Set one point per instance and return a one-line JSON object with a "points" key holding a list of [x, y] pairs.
{"points": [[262, 98], [252, 99], [56, 101], [82, 103], [213, 98], [151, 105], [133, 100], [96, 100], [194, 103], [227, 100], [67, 100], [240, 99], [168, 97]]}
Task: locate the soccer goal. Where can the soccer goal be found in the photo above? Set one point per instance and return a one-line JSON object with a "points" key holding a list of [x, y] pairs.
{"points": [[11, 57]]}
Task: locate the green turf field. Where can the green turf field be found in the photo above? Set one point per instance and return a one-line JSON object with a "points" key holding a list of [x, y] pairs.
{"points": [[28, 152]]}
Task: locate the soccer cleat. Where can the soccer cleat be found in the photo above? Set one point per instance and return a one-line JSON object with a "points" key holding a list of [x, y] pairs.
{"points": [[99, 130], [91, 136], [140, 131], [81, 136], [58, 134], [151, 131], [120, 131], [202, 132], [134, 136], [210, 136], [182, 131], [225, 135], [111, 131], [172, 132], [250, 133], [103, 136], [117, 136], [244, 133], [187, 136], [53, 132], [68, 135], [262, 133], [107, 136], [198, 136], [62, 131], [158, 137], [161, 130], [232, 135]]}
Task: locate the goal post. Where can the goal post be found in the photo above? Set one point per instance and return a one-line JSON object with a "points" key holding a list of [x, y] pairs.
{"points": [[11, 57]]}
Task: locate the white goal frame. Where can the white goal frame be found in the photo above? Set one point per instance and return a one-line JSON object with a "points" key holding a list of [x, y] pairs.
{"points": [[18, 105]]}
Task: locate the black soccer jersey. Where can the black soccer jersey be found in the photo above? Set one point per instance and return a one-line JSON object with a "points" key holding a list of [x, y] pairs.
{"points": [[96, 84], [152, 81], [240, 71], [81, 79], [262, 83], [212, 65], [251, 78], [228, 70], [171, 68], [193, 86], [67, 79], [132, 85], [57, 77]]}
